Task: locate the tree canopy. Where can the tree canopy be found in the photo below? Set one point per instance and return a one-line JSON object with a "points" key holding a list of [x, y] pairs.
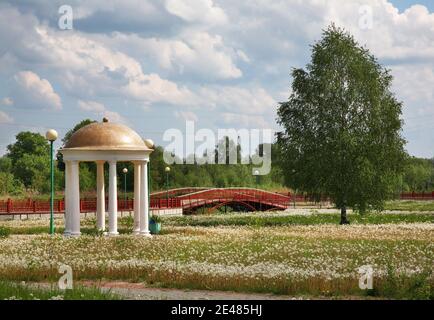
{"points": [[342, 126], [29, 157]]}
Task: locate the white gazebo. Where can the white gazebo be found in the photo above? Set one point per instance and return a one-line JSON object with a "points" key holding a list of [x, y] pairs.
{"points": [[100, 143]]}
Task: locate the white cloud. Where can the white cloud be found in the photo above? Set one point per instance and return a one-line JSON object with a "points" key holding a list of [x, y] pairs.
{"points": [[5, 118], [99, 109], [241, 100], [186, 115], [245, 120], [192, 53], [202, 11], [7, 101], [86, 67], [151, 88], [91, 106], [33, 92], [232, 58]]}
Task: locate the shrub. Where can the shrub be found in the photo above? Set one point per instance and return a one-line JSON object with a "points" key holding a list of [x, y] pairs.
{"points": [[4, 232], [155, 219]]}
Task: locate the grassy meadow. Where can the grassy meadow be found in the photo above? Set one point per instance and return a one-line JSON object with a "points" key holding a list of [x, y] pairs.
{"points": [[282, 253]]}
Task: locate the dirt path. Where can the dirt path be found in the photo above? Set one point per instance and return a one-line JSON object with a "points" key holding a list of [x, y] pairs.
{"points": [[138, 291]]}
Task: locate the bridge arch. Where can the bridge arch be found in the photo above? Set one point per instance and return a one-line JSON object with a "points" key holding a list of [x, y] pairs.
{"points": [[221, 204]]}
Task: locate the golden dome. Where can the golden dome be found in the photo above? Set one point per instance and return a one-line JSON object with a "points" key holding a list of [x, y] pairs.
{"points": [[106, 136]]}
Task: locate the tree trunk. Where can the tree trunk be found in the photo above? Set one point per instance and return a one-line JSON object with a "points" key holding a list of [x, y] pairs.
{"points": [[344, 216]]}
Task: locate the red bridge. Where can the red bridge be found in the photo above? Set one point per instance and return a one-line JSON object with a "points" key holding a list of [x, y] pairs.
{"points": [[189, 199], [209, 199]]}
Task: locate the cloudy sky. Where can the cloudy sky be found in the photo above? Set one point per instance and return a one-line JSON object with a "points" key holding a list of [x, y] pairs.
{"points": [[222, 63]]}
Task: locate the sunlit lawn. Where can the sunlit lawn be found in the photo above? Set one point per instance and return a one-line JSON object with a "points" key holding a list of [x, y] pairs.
{"points": [[18, 291], [278, 252]]}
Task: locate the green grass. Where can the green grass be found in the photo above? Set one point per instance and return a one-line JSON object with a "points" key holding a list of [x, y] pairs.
{"points": [[4, 232], [15, 291], [410, 205], [238, 259], [276, 220], [234, 219]]}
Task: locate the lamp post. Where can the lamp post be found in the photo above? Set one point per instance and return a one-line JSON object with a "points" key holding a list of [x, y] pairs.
{"points": [[51, 136], [167, 169], [256, 173], [125, 171], [150, 144]]}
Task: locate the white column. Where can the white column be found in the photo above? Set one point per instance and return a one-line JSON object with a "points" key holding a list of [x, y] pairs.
{"points": [[68, 210], [113, 200], [144, 205], [100, 196], [74, 198], [137, 194]]}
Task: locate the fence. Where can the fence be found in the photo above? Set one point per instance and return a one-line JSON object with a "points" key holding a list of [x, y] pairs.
{"points": [[417, 196], [30, 206]]}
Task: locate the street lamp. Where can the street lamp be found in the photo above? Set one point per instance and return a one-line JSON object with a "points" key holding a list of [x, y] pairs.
{"points": [[125, 171], [51, 136], [256, 173], [150, 144], [167, 169]]}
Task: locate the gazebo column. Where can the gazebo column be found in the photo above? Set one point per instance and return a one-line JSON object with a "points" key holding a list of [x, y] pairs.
{"points": [[100, 196], [113, 200], [144, 204], [74, 198], [68, 210], [137, 197]]}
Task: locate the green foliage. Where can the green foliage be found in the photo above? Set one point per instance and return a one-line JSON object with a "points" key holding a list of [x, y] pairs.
{"points": [[156, 218], [4, 232], [28, 160], [27, 143], [417, 287], [87, 177], [14, 291], [261, 220], [342, 126], [9, 185], [128, 223], [29, 157], [418, 175], [212, 175], [5, 164], [34, 171]]}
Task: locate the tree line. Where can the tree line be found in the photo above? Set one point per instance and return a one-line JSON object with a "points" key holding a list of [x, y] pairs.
{"points": [[25, 171]]}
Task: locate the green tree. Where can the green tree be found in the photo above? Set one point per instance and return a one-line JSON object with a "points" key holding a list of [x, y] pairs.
{"points": [[9, 185], [342, 126], [27, 143], [29, 157], [418, 175], [34, 171]]}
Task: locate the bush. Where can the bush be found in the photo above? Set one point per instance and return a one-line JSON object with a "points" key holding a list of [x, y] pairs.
{"points": [[155, 219], [4, 232]]}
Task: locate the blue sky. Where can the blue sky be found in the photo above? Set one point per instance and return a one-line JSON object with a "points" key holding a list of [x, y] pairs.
{"points": [[405, 4], [223, 64]]}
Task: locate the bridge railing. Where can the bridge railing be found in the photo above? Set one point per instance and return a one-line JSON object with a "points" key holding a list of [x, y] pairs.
{"points": [[247, 195], [29, 206]]}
